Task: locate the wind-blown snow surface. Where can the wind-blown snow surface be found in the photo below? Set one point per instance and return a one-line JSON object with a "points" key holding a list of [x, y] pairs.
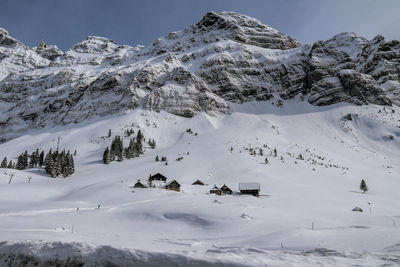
{"points": [[305, 205]]}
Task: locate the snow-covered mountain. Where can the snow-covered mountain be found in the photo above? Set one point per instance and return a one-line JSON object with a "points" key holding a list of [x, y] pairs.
{"points": [[223, 58], [228, 100]]}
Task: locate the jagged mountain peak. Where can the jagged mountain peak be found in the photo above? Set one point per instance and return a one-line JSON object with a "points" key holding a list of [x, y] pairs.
{"points": [[348, 42], [96, 45], [228, 19], [244, 29], [225, 26], [6, 40]]}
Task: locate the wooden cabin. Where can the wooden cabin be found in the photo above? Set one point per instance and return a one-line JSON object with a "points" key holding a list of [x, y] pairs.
{"points": [[226, 190], [249, 189], [139, 184], [158, 177], [215, 190], [198, 182], [173, 185]]}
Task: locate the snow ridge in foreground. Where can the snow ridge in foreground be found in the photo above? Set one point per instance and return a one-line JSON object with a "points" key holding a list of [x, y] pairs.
{"points": [[81, 254]]}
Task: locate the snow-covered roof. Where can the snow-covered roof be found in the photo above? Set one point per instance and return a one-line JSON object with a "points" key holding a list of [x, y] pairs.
{"points": [[249, 186], [173, 181]]}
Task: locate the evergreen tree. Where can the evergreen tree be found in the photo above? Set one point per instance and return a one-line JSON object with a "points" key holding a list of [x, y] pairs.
{"points": [[71, 165], [47, 158], [25, 159], [261, 152], [106, 156], [109, 133], [266, 160], [139, 136], [157, 158], [275, 152], [20, 162], [49, 165], [34, 160], [139, 148], [41, 159], [363, 186], [4, 163], [10, 165]]}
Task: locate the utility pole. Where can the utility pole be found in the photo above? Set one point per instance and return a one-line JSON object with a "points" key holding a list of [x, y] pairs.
{"points": [[11, 176], [58, 143]]}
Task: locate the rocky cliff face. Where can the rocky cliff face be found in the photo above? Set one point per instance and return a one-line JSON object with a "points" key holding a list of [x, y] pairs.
{"points": [[223, 58]]}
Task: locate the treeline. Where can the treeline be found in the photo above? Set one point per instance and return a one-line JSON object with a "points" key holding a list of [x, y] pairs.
{"points": [[55, 163], [118, 152]]}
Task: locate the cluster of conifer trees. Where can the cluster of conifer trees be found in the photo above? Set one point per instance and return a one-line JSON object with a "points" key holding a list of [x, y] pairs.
{"points": [[59, 163], [55, 163], [118, 152]]}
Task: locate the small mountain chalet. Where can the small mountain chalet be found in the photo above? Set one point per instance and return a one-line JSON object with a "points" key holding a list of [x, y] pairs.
{"points": [[158, 177], [173, 185], [215, 190], [198, 182], [139, 184], [226, 190], [249, 189]]}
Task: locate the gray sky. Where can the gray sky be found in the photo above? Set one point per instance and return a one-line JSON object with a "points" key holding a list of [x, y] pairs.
{"points": [[132, 22]]}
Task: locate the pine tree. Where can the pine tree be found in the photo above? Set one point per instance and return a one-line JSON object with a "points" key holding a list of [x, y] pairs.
{"points": [[25, 159], [106, 156], [47, 158], [71, 165], [266, 160], [41, 159], [4, 163], [120, 151], [75, 152], [69, 168], [20, 162], [109, 133], [49, 168], [261, 152], [363, 186], [57, 165], [275, 152], [139, 148], [10, 165], [139, 137], [157, 158]]}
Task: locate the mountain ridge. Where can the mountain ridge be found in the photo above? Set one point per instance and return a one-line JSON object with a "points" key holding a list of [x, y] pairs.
{"points": [[225, 57]]}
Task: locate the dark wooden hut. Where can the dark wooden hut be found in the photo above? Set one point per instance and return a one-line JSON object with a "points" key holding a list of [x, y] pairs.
{"points": [[198, 182], [173, 185], [139, 184], [215, 190], [158, 177], [249, 189], [226, 190]]}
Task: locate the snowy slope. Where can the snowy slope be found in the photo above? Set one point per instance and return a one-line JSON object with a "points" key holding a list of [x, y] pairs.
{"points": [[304, 204]]}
